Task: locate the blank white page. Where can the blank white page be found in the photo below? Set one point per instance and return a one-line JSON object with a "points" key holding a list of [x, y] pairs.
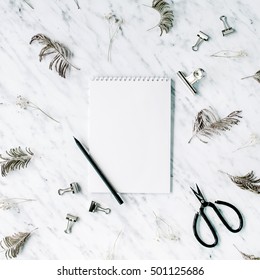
{"points": [[129, 134]]}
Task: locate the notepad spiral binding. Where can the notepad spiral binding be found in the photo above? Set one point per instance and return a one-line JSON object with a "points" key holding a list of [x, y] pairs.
{"points": [[138, 78]]}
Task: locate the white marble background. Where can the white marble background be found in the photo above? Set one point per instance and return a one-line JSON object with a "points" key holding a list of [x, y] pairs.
{"points": [[136, 52]]}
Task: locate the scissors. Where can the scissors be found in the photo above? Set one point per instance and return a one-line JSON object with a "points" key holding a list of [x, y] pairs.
{"points": [[201, 213]]}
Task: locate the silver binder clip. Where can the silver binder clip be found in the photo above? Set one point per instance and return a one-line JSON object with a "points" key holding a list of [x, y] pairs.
{"points": [[94, 207], [228, 30], [192, 78], [202, 37], [74, 188], [71, 220]]}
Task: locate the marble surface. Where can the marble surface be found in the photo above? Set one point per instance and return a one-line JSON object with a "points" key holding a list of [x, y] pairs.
{"points": [[131, 231]]}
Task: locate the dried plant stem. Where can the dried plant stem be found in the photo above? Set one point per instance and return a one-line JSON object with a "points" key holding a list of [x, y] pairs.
{"points": [[115, 24], [24, 103], [30, 5], [229, 54], [111, 39], [38, 108], [168, 232], [9, 203], [112, 36], [253, 140], [21, 200], [77, 3], [111, 254]]}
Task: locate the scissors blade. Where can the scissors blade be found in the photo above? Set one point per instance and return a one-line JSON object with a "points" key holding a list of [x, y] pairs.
{"points": [[198, 194]]}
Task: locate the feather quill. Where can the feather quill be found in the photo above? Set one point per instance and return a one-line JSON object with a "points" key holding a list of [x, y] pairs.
{"points": [[256, 76], [207, 124]]}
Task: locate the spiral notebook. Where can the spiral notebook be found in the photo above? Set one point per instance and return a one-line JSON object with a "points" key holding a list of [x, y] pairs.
{"points": [[129, 134]]}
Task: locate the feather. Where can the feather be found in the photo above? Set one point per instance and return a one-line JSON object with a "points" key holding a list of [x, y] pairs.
{"points": [[62, 54], [17, 158], [12, 245], [167, 16], [256, 76], [248, 182], [249, 257], [207, 124], [246, 256]]}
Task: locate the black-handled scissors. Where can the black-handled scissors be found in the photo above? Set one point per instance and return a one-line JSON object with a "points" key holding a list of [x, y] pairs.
{"points": [[201, 213]]}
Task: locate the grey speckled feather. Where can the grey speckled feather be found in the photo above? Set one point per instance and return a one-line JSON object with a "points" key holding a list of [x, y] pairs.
{"points": [[207, 124]]}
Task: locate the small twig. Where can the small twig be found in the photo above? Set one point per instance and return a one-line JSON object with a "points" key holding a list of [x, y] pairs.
{"points": [[253, 140], [168, 234], [115, 24], [8, 203], [110, 255], [24, 103], [77, 3], [30, 5], [229, 54], [36, 107]]}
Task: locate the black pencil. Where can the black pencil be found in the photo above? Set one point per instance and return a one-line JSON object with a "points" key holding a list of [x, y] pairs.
{"points": [[100, 173]]}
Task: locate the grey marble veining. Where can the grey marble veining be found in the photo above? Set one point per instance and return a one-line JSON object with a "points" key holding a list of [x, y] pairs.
{"points": [[135, 52]]}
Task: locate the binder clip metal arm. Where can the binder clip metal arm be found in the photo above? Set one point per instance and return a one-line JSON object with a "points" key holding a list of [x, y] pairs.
{"points": [[74, 188], [194, 77], [71, 220], [202, 37], [94, 207], [227, 29]]}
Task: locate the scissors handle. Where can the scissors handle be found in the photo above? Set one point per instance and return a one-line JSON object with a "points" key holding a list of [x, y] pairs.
{"points": [[202, 214], [223, 219]]}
